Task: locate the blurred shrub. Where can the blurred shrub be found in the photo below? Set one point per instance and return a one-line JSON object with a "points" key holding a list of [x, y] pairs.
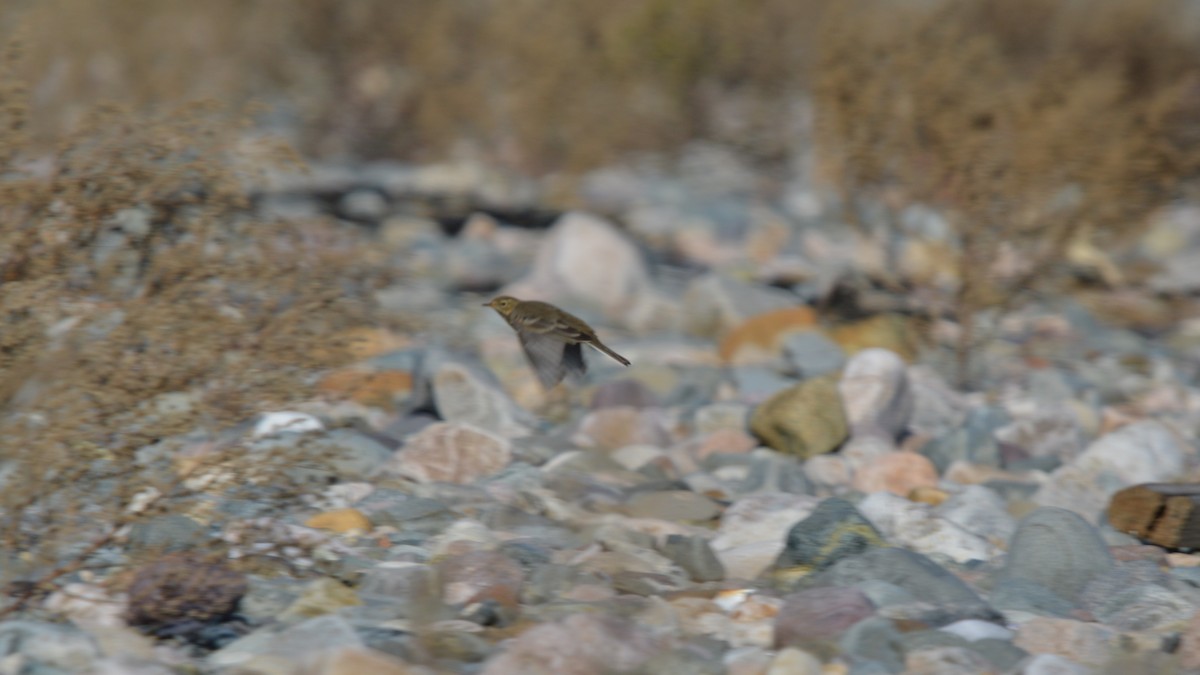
{"points": [[1033, 125], [180, 593], [537, 83], [139, 301]]}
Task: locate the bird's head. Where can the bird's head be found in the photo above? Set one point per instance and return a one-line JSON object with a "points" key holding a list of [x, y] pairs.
{"points": [[504, 304]]}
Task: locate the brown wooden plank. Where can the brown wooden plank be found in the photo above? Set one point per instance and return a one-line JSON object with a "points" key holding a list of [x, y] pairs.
{"points": [[1164, 514]]}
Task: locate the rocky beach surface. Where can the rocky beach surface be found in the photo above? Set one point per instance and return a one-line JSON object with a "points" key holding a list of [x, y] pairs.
{"points": [[789, 479]]}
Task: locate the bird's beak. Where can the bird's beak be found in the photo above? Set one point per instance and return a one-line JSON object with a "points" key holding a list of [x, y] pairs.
{"points": [[486, 304]]}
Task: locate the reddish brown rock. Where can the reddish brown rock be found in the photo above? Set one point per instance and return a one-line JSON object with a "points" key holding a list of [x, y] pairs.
{"points": [[184, 588], [819, 614], [625, 392]]}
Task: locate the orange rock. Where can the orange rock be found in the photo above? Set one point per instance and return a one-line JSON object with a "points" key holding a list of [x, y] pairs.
{"points": [[381, 390], [886, 331], [364, 342], [340, 521], [928, 495], [760, 335], [897, 472]]}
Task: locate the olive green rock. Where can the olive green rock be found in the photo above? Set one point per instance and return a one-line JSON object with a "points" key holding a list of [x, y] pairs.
{"points": [[805, 420]]}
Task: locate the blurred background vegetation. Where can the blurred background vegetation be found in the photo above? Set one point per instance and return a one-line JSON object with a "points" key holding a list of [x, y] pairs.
{"points": [[540, 85], [536, 83]]}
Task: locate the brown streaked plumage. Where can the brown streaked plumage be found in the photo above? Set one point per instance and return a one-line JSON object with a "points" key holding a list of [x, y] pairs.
{"points": [[552, 339]]}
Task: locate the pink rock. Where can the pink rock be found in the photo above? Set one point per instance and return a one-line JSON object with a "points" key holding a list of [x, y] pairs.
{"points": [[625, 392], [451, 453], [581, 644], [728, 441], [355, 660], [617, 427], [945, 660], [481, 575], [1189, 645], [819, 614], [1131, 552], [896, 472], [1082, 642]]}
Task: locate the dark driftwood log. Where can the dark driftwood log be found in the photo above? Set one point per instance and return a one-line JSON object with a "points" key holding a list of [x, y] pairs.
{"points": [[1164, 514]]}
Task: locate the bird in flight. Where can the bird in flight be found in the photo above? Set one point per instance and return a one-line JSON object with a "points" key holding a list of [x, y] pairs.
{"points": [[552, 339]]}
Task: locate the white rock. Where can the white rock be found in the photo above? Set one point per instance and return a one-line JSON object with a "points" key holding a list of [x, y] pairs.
{"points": [[634, 457], [937, 408], [466, 530], [754, 529], [861, 450], [586, 259], [981, 512], [286, 421], [764, 516], [89, 605], [876, 394], [462, 397], [974, 629], [747, 561], [1053, 664], [830, 471], [916, 526], [1144, 452], [1042, 429]]}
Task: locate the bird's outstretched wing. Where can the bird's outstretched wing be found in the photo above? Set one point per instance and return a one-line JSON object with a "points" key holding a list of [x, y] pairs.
{"points": [[547, 356], [573, 360]]}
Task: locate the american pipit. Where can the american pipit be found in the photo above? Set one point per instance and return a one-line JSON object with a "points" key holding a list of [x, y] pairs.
{"points": [[552, 339]]}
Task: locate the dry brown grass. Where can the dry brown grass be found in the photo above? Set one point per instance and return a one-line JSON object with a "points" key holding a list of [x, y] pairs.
{"points": [[1032, 125]]}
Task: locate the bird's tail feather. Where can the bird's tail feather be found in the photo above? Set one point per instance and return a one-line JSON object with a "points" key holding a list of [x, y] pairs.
{"points": [[602, 347]]}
